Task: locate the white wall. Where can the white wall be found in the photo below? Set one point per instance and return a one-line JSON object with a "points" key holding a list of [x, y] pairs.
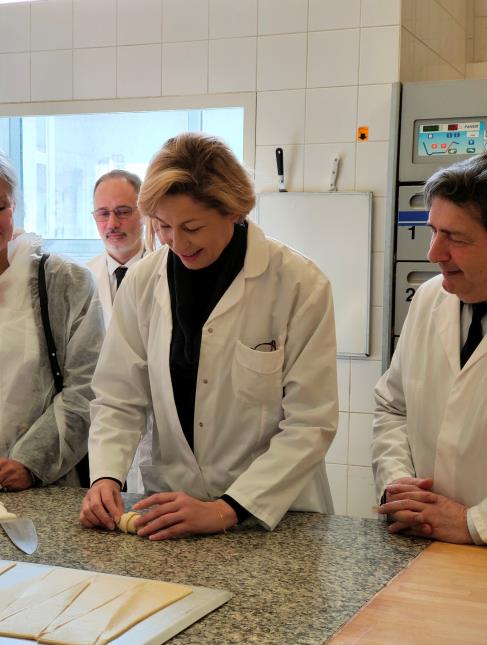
{"points": [[320, 68]]}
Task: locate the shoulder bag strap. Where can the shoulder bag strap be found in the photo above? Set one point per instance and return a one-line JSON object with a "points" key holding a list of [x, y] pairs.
{"points": [[51, 347]]}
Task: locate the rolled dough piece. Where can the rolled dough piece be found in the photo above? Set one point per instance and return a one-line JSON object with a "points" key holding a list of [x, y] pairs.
{"points": [[126, 523]]}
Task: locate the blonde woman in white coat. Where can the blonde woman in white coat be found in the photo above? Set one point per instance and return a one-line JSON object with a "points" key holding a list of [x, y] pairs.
{"points": [[228, 337]]}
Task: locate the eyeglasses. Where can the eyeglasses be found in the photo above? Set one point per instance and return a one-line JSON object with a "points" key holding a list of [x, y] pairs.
{"points": [[120, 212]]}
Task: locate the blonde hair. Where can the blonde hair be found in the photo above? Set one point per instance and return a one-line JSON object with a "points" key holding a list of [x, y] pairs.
{"points": [[202, 167]]}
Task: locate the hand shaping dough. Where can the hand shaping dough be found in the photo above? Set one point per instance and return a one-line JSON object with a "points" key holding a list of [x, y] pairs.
{"points": [[127, 522]]}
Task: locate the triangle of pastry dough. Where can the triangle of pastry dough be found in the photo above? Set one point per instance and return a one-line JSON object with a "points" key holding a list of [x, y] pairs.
{"points": [[30, 622], [40, 588], [105, 623], [141, 603], [18, 596], [102, 589]]}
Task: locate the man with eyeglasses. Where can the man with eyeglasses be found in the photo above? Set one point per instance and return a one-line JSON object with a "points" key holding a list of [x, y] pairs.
{"points": [[120, 227]]}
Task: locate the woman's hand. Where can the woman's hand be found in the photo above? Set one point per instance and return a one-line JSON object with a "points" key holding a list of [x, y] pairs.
{"points": [[14, 475], [177, 514], [102, 505]]}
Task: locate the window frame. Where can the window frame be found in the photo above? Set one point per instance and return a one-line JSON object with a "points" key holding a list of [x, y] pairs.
{"points": [[245, 100]]}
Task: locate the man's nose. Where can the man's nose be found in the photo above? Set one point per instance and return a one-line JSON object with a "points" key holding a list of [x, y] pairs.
{"points": [[439, 249], [113, 221]]}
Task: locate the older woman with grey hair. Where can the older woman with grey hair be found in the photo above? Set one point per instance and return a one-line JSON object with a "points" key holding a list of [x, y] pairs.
{"points": [[44, 409]]}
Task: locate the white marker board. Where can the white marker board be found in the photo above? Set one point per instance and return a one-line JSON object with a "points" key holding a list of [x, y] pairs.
{"points": [[334, 230]]}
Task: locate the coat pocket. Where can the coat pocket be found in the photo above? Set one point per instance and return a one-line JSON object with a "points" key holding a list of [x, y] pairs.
{"points": [[257, 376]]}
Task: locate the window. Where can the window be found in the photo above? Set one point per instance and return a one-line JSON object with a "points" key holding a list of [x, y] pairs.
{"points": [[59, 158]]}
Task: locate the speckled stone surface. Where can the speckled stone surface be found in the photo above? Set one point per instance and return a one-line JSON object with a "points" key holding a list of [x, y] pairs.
{"points": [[294, 586]]}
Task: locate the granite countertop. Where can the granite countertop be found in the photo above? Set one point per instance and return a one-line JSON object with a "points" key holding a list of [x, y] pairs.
{"points": [[296, 585]]}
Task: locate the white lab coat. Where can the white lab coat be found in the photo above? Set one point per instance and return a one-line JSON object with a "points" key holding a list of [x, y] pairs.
{"points": [[265, 450], [98, 266], [431, 417]]}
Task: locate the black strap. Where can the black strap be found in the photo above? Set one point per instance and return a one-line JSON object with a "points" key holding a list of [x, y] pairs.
{"points": [[51, 346], [83, 466]]}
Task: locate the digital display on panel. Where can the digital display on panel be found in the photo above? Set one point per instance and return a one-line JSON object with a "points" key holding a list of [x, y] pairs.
{"points": [[450, 137]]}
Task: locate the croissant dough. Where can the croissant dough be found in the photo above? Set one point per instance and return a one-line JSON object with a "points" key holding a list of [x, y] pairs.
{"points": [[126, 523], [69, 606]]}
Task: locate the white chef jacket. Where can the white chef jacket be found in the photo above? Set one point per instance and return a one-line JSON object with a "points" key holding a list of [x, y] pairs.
{"points": [[431, 416], [103, 268], [263, 449]]}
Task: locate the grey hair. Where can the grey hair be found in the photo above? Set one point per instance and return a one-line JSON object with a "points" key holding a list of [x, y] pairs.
{"points": [[132, 179], [464, 183], [8, 174]]}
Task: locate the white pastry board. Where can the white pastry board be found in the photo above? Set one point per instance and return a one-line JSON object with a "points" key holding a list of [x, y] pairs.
{"points": [[155, 630]]}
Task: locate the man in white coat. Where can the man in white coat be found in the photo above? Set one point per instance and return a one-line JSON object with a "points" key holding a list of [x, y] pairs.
{"points": [[430, 429], [119, 225]]}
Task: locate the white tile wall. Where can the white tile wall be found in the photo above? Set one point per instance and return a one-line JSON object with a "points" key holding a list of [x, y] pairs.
{"points": [[14, 28], [375, 13], [52, 75], [338, 480], [343, 377], [282, 16], [301, 58], [340, 106], [15, 75], [361, 492], [333, 58], [330, 14], [184, 20], [374, 108], [360, 437], [338, 451], [139, 70], [233, 18], [94, 23], [363, 377], [51, 25], [185, 68], [281, 62], [276, 125], [139, 23], [232, 65], [372, 164], [95, 73]]}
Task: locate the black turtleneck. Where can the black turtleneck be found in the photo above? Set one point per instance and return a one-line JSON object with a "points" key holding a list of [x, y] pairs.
{"points": [[194, 295]]}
